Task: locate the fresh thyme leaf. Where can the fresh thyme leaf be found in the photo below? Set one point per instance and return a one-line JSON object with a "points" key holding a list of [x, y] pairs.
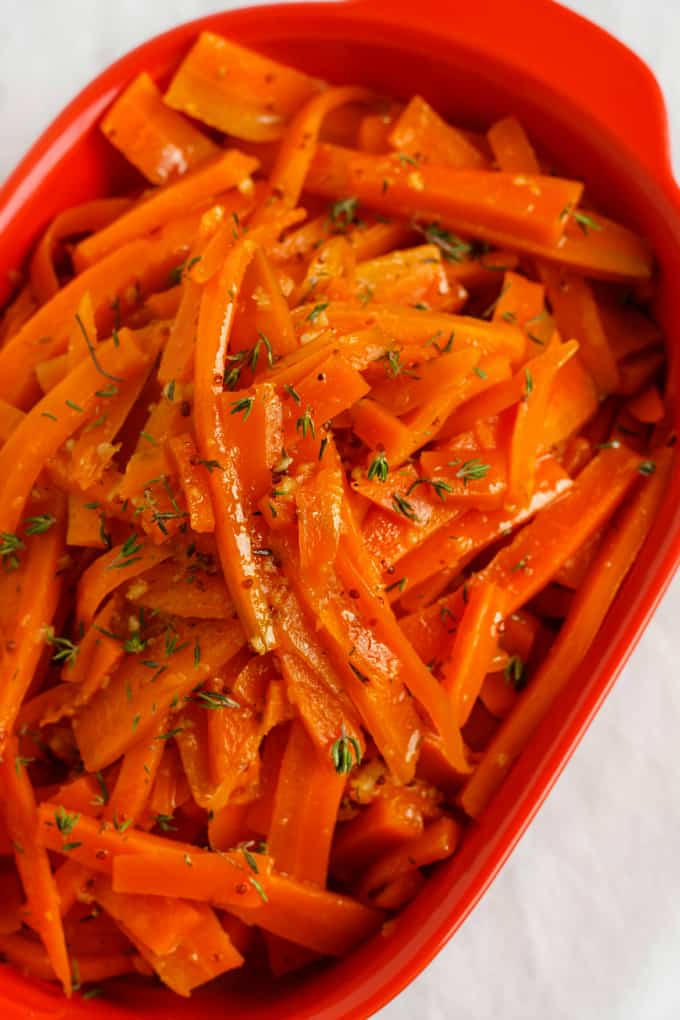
{"points": [[400, 584], [215, 700], [585, 222], [379, 467], [305, 425], [243, 406], [471, 470], [438, 484], [40, 524], [403, 507], [648, 467], [514, 673], [345, 754], [65, 822], [317, 310], [10, 545]]}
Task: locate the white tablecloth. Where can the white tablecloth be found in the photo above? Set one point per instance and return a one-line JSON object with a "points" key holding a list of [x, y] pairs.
{"points": [[584, 921]]}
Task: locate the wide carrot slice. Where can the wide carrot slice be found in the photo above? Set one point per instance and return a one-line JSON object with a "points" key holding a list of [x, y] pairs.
{"points": [[306, 803], [497, 207], [155, 139], [422, 133], [323, 921], [32, 862], [237, 90], [589, 608], [511, 148], [438, 841]]}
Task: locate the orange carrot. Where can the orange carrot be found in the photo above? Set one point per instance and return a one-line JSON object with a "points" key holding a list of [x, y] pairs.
{"points": [[193, 478], [592, 602], [306, 804], [237, 90], [472, 650], [32, 862], [438, 841], [155, 139], [421, 133], [220, 173], [511, 148]]}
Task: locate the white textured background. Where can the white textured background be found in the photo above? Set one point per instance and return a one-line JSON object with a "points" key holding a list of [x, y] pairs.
{"points": [[584, 921]]}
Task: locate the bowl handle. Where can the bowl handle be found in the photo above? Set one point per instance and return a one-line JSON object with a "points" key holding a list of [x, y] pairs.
{"points": [[583, 62]]}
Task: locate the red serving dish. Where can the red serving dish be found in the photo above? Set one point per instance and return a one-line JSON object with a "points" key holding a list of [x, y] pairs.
{"points": [[597, 109]]}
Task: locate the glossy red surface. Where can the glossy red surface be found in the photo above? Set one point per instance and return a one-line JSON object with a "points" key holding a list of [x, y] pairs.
{"points": [[598, 110]]}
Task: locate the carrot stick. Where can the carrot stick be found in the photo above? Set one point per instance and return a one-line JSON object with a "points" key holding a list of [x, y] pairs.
{"points": [[204, 954], [113, 568], [32, 862], [502, 208], [242, 571], [158, 141], [438, 841], [297, 149], [136, 776], [384, 825], [588, 610], [35, 591], [306, 804], [422, 133], [54, 418], [19, 311], [473, 648], [326, 922], [220, 173], [511, 148], [184, 589], [529, 417], [193, 479], [80, 219], [30, 958], [125, 711], [238, 91], [577, 317]]}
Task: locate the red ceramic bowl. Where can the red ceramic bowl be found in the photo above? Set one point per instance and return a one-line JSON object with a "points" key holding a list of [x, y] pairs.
{"points": [[598, 110]]}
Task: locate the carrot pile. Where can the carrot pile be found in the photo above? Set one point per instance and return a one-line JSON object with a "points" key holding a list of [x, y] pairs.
{"points": [[322, 460]]}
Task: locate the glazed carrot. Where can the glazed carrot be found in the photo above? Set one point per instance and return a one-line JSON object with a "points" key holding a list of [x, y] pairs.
{"points": [[193, 479], [121, 563], [234, 542], [592, 602], [385, 824], [577, 317], [324, 921], [438, 841], [502, 208], [472, 649], [204, 954], [306, 803], [32, 862], [132, 718], [317, 480], [530, 414], [421, 133], [158, 922], [220, 173], [155, 139], [138, 770], [237, 90], [511, 148], [54, 418], [81, 219], [30, 958], [297, 149], [34, 593]]}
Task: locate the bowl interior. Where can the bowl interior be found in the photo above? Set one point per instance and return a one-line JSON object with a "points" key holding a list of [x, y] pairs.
{"points": [[473, 89]]}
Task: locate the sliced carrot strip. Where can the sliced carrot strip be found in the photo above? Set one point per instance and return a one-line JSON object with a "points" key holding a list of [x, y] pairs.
{"points": [[422, 133], [473, 648]]}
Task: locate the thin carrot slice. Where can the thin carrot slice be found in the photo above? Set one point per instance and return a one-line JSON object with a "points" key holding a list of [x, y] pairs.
{"points": [[218, 174], [81, 219], [423, 134], [511, 148], [32, 862], [592, 602], [473, 648], [306, 802], [438, 841], [193, 478]]}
